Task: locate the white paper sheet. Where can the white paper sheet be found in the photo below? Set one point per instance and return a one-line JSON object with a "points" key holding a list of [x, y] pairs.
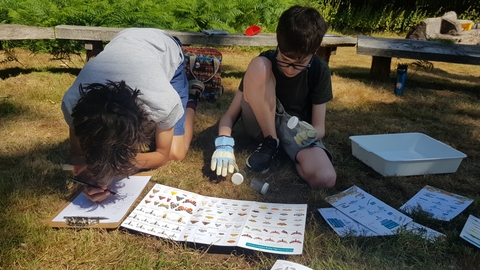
{"points": [[471, 231], [424, 232], [343, 225], [114, 207], [184, 216], [440, 204], [368, 211], [286, 265]]}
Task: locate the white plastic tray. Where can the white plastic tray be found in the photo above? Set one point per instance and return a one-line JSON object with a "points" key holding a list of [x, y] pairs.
{"points": [[403, 154]]}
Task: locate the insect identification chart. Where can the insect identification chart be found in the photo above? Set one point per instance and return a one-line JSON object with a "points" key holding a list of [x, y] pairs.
{"points": [[368, 211], [438, 203], [180, 215]]}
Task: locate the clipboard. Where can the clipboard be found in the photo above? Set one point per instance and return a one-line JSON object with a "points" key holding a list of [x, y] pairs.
{"points": [[79, 212]]}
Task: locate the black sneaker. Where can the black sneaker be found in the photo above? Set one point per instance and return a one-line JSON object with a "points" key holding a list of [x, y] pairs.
{"points": [[260, 160]]}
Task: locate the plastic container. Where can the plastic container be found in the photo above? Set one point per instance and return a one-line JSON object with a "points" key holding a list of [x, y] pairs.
{"points": [[238, 177], [404, 154], [259, 185], [466, 24], [253, 30]]}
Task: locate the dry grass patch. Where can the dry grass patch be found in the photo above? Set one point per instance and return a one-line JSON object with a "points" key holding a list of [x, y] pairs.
{"points": [[442, 103]]}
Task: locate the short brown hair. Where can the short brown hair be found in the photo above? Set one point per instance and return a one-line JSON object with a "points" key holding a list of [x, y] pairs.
{"points": [[300, 31], [112, 127]]}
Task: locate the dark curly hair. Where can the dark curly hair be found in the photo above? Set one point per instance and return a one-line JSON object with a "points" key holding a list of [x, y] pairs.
{"points": [[112, 128], [300, 31]]}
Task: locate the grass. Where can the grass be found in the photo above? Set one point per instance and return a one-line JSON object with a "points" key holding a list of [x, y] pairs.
{"points": [[443, 103]]}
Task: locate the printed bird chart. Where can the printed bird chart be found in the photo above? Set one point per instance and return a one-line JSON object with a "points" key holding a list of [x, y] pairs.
{"points": [[368, 211], [438, 203], [471, 231], [180, 215]]}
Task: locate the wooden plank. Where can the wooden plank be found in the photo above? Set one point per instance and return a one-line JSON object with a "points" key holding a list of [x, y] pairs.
{"points": [[338, 41], [419, 49], [92, 33], [22, 32]]}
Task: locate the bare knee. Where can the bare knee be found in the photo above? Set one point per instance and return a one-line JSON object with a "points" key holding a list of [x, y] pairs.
{"points": [[322, 179]]}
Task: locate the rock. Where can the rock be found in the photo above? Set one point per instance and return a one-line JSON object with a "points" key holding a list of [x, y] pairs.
{"points": [[450, 24], [446, 27], [470, 37], [425, 29]]}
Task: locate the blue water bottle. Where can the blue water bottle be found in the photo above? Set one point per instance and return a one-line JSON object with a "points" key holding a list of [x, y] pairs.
{"points": [[401, 79]]}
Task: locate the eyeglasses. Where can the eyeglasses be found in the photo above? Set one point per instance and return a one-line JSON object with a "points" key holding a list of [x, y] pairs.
{"points": [[294, 66]]}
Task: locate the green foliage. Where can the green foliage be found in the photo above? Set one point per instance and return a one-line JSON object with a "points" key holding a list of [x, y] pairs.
{"points": [[346, 16], [232, 15]]}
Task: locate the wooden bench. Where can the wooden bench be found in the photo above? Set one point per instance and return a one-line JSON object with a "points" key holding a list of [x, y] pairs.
{"points": [[94, 37], [24, 32], [383, 49]]}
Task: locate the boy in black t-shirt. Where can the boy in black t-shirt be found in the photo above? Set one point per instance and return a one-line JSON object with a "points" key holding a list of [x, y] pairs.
{"points": [[276, 86]]}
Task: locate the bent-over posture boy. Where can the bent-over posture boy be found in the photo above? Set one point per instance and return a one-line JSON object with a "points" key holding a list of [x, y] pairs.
{"points": [[130, 108]]}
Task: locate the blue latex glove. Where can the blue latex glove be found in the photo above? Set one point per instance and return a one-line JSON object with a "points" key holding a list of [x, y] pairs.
{"points": [[223, 159]]}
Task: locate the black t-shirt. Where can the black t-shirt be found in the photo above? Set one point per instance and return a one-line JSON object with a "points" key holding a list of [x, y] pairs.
{"points": [[294, 93]]}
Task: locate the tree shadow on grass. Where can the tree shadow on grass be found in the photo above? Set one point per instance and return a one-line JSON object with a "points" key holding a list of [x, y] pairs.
{"points": [[438, 79], [16, 71]]}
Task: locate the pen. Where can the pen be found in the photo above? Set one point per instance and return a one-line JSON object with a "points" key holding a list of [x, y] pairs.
{"points": [[73, 179], [82, 217]]}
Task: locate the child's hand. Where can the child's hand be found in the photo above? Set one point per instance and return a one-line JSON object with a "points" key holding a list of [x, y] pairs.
{"points": [[96, 194], [223, 159], [92, 193], [306, 134]]}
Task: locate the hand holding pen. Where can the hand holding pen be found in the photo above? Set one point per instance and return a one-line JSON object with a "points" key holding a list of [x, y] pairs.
{"points": [[93, 192]]}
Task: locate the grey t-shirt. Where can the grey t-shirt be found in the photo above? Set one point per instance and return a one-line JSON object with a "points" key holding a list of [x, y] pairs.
{"points": [[146, 59]]}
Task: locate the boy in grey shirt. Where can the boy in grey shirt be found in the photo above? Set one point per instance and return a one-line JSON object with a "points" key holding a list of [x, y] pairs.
{"points": [[130, 108]]}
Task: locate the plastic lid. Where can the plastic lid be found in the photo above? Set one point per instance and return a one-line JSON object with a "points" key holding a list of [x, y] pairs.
{"points": [[264, 188], [253, 30], [237, 178], [292, 122]]}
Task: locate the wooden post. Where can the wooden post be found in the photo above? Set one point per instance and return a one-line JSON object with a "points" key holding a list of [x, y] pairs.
{"points": [[326, 52], [93, 48], [380, 68]]}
